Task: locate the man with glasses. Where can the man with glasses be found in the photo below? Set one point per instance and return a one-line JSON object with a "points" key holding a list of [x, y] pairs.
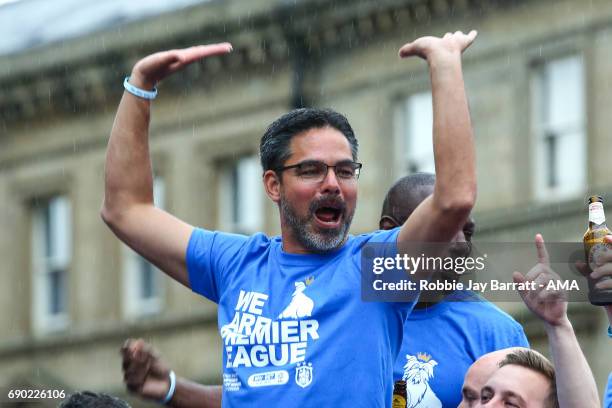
{"points": [[447, 333], [295, 331]]}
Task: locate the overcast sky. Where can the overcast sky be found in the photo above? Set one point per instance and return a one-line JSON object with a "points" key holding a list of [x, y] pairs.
{"points": [[29, 23]]}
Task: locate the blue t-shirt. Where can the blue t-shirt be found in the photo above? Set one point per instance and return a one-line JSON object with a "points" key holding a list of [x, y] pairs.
{"points": [[608, 395], [441, 342], [295, 331]]}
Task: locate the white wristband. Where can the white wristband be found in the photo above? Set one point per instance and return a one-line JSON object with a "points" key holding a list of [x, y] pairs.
{"points": [[141, 93], [171, 390]]}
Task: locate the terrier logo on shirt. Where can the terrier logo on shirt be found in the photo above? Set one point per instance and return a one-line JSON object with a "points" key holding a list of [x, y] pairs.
{"points": [[417, 373], [301, 305]]}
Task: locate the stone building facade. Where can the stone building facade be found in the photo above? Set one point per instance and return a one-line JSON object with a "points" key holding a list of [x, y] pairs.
{"points": [[539, 81]]}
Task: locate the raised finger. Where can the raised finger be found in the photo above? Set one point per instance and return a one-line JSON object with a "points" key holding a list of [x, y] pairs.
{"points": [[541, 249]]}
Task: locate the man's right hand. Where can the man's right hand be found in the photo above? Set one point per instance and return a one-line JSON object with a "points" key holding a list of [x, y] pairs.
{"points": [[150, 70], [144, 373]]}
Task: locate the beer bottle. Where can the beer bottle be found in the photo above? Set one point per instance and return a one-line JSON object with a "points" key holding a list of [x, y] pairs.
{"points": [[593, 244], [400, 395]]}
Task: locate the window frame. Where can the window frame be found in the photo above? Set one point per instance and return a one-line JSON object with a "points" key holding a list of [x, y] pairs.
{"points": [[407, 161], [42, 265], [229, 199], [543, 128]]}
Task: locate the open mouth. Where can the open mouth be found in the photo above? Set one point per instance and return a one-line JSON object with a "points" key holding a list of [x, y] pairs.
{"points": [[329, 214]]}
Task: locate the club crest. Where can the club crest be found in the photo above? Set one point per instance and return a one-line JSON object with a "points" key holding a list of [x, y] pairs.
{"points": [[303, 374]]}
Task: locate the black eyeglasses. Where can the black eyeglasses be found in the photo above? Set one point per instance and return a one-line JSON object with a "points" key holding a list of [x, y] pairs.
{"points": [[315, 171]]}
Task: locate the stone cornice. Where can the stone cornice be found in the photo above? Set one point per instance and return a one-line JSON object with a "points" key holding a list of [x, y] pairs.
{"points": [[81, 75], [110, 333], [535, 213]]}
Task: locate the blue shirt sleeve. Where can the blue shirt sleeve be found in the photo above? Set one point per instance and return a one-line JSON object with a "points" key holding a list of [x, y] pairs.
{"points": [[208, 254], [520, 339], [390, 249], [608, 394], [506, 332]]}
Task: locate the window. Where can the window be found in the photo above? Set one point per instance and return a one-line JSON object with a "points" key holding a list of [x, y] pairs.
{"points": [[241, 198], [559, 128], [413, 129], [51, 255], [143, 289]]}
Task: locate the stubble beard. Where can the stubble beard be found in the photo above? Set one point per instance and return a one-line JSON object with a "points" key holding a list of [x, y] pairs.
{"points": [[317, 241]]}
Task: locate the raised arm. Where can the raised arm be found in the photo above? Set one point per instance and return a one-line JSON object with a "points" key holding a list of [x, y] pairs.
{"points": [[128, 196], [576, 386], [440, 217], [147, 376]]}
